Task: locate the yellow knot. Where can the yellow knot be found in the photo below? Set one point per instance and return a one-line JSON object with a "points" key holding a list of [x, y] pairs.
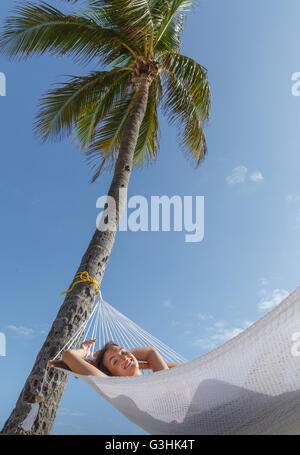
{"points": [[84, 276]]}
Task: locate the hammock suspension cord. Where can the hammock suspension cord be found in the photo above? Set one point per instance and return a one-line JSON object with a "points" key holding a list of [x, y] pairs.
{"points": [[104, 324]]}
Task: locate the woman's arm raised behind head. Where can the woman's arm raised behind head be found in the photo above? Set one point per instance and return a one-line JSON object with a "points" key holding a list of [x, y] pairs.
{"points": [[73, 358], [151, 355]]}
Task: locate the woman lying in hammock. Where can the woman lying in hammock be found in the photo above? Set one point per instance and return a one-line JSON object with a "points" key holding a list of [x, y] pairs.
{"points": [[112, 360]]}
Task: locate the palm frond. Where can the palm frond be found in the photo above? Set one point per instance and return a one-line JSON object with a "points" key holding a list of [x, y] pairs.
{"points": [[87, 124], [147, 144], [36, 29], [110, 21], [96, 107], [184, 109], [193, 76], [169, 33], [106, 140], [61, 108], [135, 19], [194, 139]]}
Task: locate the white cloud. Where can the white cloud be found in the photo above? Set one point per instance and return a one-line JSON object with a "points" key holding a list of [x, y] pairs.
{"points": [[220, 324], [292, 198], [68, 412], [175, 323], [256, 177], [167, 304], [204, 343], [262, 292], [225, 334], [219, 334], [275, 298], [203, 317], [22, 331], [263, 282], [68, 428], [237, 176], [247, 323]]}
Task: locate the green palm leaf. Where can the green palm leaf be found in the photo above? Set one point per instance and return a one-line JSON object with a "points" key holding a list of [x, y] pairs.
{"points": [[187, 102], [95, 112], [106, 141], [95, 107], [168, 34], [194, 77], [147, 144], [40, 28], [63, 107]]}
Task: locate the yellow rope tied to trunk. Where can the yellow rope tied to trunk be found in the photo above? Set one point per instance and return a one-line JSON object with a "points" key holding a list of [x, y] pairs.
{"points": [[84, 276]]}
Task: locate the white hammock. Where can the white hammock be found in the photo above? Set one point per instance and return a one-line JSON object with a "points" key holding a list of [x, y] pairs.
{"points": [[250, 385]]}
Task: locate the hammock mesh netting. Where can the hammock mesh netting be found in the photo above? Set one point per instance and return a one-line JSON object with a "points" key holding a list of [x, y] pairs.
{"points": [[249, 385]]}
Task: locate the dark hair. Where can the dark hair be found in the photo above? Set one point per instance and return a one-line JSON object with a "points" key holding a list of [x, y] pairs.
{"points": [[99, 362]]}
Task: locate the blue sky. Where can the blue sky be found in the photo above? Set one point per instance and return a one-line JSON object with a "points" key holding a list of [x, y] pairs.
{"points": [[192, 296]]}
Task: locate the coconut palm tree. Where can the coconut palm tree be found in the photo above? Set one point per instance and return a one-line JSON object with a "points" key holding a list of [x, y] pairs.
{"points": [[113, 114]]}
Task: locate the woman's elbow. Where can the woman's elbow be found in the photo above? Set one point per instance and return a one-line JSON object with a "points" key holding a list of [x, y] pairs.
{"points": [[66, 354], [149, 350], [152, 351]]}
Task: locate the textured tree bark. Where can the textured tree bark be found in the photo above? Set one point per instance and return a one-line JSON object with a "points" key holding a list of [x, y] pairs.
{"points": [[78, 304]]}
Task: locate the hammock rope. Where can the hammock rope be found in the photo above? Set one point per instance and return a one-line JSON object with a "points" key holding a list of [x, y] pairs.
{"points": [[84, 276], [104, 324], [248, 385]]}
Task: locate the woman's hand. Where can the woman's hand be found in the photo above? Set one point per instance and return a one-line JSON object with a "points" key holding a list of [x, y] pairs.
{"points": [[74, 358], [151, 355], [86, 348]]}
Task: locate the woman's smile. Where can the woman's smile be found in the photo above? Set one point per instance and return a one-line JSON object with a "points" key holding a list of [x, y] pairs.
{"points": [[121, 362], [127, 363]]}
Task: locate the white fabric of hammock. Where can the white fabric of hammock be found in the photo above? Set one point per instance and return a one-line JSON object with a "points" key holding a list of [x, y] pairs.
{"points": [[249, 385]]}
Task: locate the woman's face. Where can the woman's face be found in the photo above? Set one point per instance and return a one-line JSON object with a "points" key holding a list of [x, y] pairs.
{"points": [[121, 362]]}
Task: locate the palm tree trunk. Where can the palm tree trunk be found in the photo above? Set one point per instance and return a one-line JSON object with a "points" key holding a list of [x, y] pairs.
{"points": [[78, 304]]}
